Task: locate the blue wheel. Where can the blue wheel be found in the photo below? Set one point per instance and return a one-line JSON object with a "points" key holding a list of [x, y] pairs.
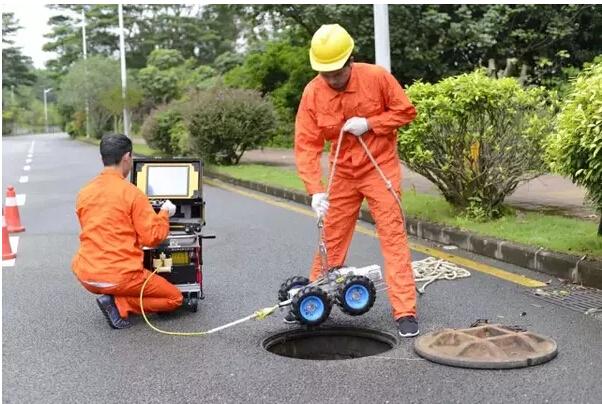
{"points": [[311, 306], [357, 295]]}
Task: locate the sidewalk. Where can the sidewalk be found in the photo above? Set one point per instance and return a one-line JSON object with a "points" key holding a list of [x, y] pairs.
{"points": [[547, 193]]}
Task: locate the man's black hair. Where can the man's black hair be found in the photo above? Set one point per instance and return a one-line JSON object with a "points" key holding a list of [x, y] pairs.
{"points": [[112, 148]]}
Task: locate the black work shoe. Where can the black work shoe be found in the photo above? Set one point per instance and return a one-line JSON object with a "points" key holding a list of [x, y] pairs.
{"points": [[109, 310], [407, 326], [290, 318]]}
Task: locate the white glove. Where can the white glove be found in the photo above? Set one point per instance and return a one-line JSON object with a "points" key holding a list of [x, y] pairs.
{"points": [[169, 207], [356, 125], [319, 203]]}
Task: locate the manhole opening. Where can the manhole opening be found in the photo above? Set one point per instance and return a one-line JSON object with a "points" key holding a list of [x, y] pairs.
{"points": [[330, 343]]}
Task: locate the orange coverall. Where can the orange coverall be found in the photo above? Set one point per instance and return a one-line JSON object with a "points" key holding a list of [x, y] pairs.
{"points": [[117, 219], [375, 94]]}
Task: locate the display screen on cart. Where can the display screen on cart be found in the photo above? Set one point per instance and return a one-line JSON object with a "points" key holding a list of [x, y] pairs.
{"points": [[165, 181]]}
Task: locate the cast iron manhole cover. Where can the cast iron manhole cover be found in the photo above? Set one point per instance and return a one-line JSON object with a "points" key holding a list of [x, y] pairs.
{"points": [[330, 343], [574, 297], [490, 346]]}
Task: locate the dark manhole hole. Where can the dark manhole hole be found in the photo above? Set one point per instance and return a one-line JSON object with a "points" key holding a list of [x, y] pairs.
{"points": [[330, 343]]}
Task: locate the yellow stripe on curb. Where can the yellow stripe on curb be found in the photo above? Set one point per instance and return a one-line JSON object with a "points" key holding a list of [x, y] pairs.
{"points": [[465, 262]]}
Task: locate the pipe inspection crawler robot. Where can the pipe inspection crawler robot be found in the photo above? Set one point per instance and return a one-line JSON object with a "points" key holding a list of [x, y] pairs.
{"points": [[352, 289], [179, 258]]}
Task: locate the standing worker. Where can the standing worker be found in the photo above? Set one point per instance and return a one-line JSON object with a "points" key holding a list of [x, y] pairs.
{"points": [[364, 100], [116, 220]]}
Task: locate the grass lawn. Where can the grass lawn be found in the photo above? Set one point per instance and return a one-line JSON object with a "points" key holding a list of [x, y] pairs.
{"points": [[557, 233]]}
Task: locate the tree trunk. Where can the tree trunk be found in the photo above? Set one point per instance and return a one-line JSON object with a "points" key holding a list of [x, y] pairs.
{"points": [[491, 68], [600, 225]]}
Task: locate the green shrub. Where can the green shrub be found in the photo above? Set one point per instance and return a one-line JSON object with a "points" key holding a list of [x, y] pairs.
{"points": [[158, 127], [575, 148], [77, 126], [224, 123], [476, 138], [179, 139]]}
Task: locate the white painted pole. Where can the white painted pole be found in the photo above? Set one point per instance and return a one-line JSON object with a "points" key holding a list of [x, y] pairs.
{"points": [[126, 121], [381, 36], [85, 68]]}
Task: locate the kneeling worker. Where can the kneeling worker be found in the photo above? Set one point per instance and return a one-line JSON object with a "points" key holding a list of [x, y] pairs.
{"points": [[116, 220]]}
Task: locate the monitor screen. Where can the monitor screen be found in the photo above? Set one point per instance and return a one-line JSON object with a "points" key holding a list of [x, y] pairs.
{"points": [[167, 181]]}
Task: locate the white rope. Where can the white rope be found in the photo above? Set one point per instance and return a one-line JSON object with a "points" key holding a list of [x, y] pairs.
{"points": [[431, 269]]}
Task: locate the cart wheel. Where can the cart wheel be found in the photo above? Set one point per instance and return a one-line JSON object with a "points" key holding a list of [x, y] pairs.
{"points": [[311, 306], [356, 296], [192, 302], [291, 283]]}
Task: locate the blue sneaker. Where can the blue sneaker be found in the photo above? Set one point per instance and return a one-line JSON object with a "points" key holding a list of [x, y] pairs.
{"points": [[109, 310]]}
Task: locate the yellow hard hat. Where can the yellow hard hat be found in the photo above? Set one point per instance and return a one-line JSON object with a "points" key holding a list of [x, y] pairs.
{"points": [[331, 46]]}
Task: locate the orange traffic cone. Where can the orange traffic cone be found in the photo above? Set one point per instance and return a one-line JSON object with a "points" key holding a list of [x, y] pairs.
{"points": [[11, 210], [7, 252]]}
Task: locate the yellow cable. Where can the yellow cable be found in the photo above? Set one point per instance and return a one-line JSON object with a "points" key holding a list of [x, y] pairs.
{"points": [[259, 315]]}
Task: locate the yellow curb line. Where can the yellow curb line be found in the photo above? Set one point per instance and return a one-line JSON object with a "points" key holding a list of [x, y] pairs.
{"points": [[465, 262]]}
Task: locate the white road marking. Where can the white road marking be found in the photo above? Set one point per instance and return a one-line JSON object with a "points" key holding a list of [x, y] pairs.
{"points": [[28, 161], [23, 179], [30, 155], [14, 245], [21, 199], [26, 168]]}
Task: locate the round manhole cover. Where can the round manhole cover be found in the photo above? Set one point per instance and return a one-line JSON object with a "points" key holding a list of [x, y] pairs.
{"points": [[490, 346], [330, 343]]}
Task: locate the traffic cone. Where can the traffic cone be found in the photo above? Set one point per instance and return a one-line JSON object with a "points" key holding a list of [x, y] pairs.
{"points": [[7, 252], [11, 210]]}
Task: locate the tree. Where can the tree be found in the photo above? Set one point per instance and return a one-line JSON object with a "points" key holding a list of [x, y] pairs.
{"points": [[96, 80], [160, 79], [17, 69], [575, 148], [65, 38], [198, 32], [430, 42]]}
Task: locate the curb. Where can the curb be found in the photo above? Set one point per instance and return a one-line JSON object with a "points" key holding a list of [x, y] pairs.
{"points": [[582, 270]]}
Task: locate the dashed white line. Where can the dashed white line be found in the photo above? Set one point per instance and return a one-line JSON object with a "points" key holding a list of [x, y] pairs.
{"points": [[14, 245], [23, 179], [30, 155], [21, 199], [27, 161], [26, 168]]}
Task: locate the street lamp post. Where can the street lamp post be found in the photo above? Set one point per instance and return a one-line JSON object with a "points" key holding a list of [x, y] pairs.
{"points": [[84, 48], [126, 121], [46, 91], [381, 36]]}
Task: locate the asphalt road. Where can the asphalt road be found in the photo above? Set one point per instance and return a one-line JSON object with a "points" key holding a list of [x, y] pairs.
{"points": [[57, 347]]}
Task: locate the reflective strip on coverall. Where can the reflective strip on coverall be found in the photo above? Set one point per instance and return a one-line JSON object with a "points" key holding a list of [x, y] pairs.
{"points": [[116, 220], [375, 94]]}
